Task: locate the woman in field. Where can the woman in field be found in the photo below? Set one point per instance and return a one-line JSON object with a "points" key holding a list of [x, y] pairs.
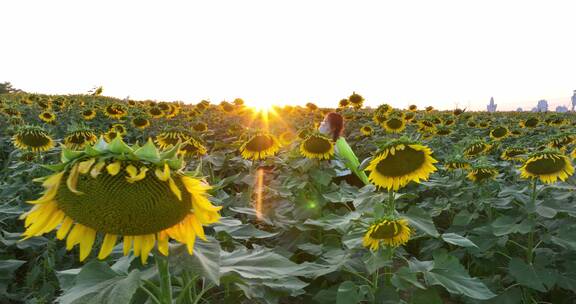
{"points": [[333, 126]]}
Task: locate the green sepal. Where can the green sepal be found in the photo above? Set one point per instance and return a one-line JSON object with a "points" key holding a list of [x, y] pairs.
{"points": [[175, 163], [56, 167], [171, 153], [148, 152], [69, 154], [118, 146], [101, 145]]}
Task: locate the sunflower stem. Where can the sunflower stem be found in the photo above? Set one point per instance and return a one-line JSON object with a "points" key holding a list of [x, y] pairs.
{"points": [[165, 282], [391, 203], [531, 209]]}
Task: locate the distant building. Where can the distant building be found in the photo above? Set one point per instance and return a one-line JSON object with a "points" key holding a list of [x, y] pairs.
{"points": [[491, 107], [519, 109], [542, 106]]}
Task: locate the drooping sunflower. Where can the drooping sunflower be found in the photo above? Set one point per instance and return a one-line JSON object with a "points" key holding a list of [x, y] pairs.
{"points": [[171, 137], [455, 164], [47, 116], [476, 148], [227, 107], [471, 124], [429, 109], [499, 133], [111, 135], [531, 122], [514, 154], [79, 138], [548, 165], [482, 173], [413, 108], [343, 103], [399, 162], [317, 146], [88, 114], [443, 131], [449, 122], [32, 138], [260, 146], [561, 141], [426, 126], [458, 112], [356, 100], [140, 195], [366, 130], [388, 232], [140, 123], [119, 128], [408, 117], [115, 111], [192, 147], [394, 124], [155, 112]]}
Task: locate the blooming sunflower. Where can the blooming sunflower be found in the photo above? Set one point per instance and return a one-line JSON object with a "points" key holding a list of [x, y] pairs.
{"points": [[429, 109], [548, 165], [171, 137], [443, 131], [155, 112], [561, 141], [455, 164], [317, 146], [119, 128], [115, 111], [366, 130], [389, 232], [413, 108], [111, 135], [399, 162], [356, 100], [426, 125], [88, 114], [192, 147], [140, 123], [79, 138], [499, 133], [112, 189], [32, 138], [260, 146], [481, 173], [476, 148], [394, 124], [47, 116], [514, 154]]}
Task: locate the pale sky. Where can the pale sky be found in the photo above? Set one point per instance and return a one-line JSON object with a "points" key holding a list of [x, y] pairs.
{"points": [[439, 53]]}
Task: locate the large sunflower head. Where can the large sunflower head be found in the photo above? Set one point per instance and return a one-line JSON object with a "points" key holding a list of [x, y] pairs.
{"points": [[139, 195], [343, 103], [260, 146], [80, 137], [47, 116], [413, 108], [32, 138], [548, 165], [317, 146], [399, 162], [383, 109], [476, 148], [482, 173], [394, 124], [155, 112], [561, 141], [389, 232], [356, 100]]}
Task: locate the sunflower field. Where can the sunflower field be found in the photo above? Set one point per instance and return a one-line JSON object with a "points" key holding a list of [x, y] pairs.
{"points": [[104, 200]]}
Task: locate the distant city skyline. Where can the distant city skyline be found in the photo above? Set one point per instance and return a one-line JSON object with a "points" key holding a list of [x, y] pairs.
{"points": [[444, 53]]}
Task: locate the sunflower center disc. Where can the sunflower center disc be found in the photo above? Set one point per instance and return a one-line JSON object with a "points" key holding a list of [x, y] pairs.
{"points": [[34, 139], [386, 231], [112, 205], [499, 132], [545, 166], [394, 123], [482, 175], [531, 122], [259, 143], [403, 162], [317, 145]]}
